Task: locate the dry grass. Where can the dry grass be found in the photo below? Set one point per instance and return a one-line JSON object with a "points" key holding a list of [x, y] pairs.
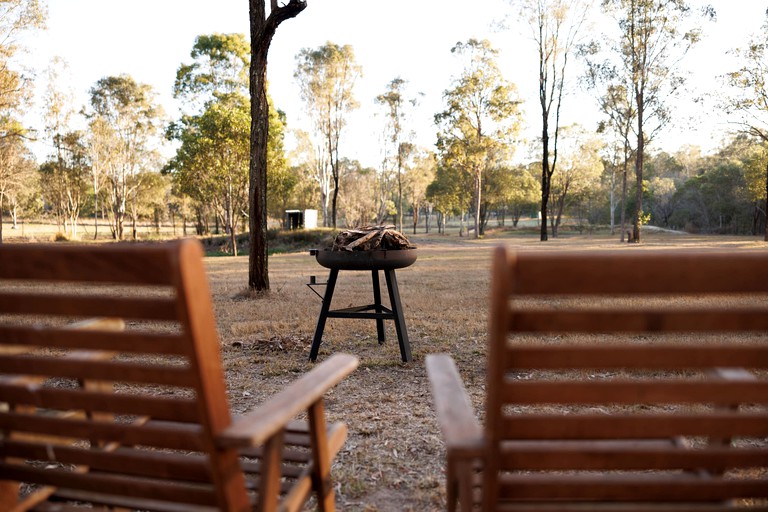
{"points": [[393, 460]]}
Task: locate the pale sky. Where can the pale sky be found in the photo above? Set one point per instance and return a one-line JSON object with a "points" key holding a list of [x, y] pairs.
{"points": [[149, 39]]}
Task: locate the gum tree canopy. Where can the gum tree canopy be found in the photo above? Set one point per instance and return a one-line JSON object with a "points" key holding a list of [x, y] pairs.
{"points": [[263, 29]]}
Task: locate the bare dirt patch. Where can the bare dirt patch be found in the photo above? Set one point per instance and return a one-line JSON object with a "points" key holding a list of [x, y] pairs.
{"points": [[394, 457]]}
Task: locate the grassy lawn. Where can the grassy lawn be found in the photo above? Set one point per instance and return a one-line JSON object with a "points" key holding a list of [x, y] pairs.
{"points": [[393, 460]]}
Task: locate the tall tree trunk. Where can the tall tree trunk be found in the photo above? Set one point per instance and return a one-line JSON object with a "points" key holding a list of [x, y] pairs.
{"points": [[258, 270], [415, 207], [613, 199], [766, 202], [1, 218], [545, 176], [400, 188], [335, 197], [637, 221], [95, 212], [262, 31], [478, 200], [624, 195]]}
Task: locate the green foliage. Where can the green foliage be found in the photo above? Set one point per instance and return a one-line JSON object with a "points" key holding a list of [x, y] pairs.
{"points": [[281, 182], [211, 165], [396, 105], [715, 202], [654, 36], [280, 241], [578, 173], [556, 27], [750, 90], [124, 127], [359, 205], [220, 68], [17, 19], [478, 125], [17, 175], [65, 180], [450, 193]]}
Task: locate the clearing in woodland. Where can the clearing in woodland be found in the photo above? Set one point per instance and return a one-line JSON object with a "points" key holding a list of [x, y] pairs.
{"points": [[393, 459]]}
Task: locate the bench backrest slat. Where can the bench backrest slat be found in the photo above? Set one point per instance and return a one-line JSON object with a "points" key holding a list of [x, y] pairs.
{"points": [[128, 342], [141, 308], [627, 377], [133, 406]]}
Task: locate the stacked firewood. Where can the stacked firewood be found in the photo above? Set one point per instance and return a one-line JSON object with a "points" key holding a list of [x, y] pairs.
{"points": [[371, 238]]}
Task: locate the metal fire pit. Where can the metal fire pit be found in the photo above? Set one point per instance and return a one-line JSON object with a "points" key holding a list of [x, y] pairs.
{"points": [[365, 260], [372, 261]]}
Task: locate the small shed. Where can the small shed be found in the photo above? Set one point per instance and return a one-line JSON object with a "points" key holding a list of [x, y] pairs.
{"points": [[300, 219]]}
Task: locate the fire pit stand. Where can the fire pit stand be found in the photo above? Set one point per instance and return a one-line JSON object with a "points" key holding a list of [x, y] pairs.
{"points": [[373, 261]]}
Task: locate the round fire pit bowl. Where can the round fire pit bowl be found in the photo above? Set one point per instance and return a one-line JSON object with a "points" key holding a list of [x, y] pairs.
{"points": [[366, 260]]}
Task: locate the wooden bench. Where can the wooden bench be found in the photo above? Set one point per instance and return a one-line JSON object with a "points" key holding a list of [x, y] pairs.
{"points": [[632, 380], [104, 417]]}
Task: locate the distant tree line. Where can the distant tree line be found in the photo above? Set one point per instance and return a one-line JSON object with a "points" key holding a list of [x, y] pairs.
{"points": [[110, 171]]}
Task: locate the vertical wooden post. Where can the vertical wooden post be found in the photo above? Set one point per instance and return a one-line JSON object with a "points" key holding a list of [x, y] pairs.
{"points": [[321, 458]]}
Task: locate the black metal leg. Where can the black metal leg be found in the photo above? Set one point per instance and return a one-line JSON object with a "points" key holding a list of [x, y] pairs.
{"points": [[323, 315], [397, 310], [377, 307]]}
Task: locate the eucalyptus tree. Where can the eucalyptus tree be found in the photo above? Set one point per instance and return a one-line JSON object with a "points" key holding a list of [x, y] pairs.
{"points": [[750, 102], [124, 123], [357, 205], [212, 163], [65, 175], [496, 188], [25, 197], [654, 37], [580, 170], [17, 19], [282, 180], [523, 192], [65, 180], [306, 191], [449, 191], [617, 102], [17, 171], [396, 104], [481, 117], [556, 27], [263, 27], [219, 69], [327, 78], [756, 175], [419, 176], [156, 190]]}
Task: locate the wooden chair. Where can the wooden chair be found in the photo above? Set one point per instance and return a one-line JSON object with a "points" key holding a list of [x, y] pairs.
{"points": [[137, 418], [616, 381]]}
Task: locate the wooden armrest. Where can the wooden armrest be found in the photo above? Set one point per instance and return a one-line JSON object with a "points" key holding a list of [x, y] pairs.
{"points": [[460, 428], [257, 426]]}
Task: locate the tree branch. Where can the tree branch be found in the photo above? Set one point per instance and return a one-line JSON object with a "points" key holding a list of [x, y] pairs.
{"points": [[279, 14]]}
